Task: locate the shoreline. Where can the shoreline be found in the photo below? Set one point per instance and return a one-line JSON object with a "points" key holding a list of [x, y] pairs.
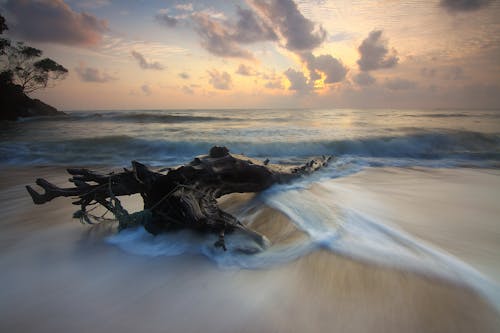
{"points": [[63, 278], [467, 228]]}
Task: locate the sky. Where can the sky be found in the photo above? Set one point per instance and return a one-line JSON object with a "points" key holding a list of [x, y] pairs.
{"points": [[161, 54]]}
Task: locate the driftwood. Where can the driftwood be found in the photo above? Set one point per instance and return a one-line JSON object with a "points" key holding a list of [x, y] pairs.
{"points": [[177, 198]]}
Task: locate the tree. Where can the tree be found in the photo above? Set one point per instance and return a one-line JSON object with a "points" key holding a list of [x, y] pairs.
{"points": [[22, 64], [29, 72], [4, 43], [3, 25]]}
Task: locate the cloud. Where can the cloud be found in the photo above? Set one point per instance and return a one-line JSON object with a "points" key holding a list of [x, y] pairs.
{"points": [[184, 75], [399, 84], [89, 74], [300, 33], [93, 4], [165, 19], [146, 89], [55, 21], [263, 22], [364, 79], [323, 67], [245, 70], [273, 81], [274, 84], [454, 73], [463, 5], [214, 14], [187, 90], [223, 38], [144, 64], [221, 81], [188, 7], [332, 68], [428, 72], [250, 28], [266, 20], [340, 37], [217, 39], [298, 81], [270, 20], [375, 54], [121, 47]]}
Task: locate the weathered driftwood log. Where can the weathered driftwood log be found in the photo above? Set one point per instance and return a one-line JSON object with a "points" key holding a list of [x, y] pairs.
{"points": [[183, 197]]}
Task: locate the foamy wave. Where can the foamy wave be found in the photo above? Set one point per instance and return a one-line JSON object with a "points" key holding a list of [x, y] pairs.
{"points": [[142, 117], [119, 150], [346, 231], [161, 118], [331, 225], [140, 242], [451, 115]]}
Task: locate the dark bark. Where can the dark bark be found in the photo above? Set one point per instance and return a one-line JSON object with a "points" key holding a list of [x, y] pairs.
{"points": [[183, 197]]}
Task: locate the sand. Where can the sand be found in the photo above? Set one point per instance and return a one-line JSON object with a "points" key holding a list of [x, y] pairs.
{"points": [[58, 275], [457, 210]]}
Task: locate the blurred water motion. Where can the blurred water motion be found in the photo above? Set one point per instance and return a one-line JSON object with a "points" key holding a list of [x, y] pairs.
{"points": [[62, 276]]}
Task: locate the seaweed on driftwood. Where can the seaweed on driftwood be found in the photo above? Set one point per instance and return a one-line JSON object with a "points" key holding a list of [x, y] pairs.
{"points": [[178, 198]]}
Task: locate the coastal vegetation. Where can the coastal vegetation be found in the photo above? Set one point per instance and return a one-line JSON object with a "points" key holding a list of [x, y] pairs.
{"points": [[23, 71]]}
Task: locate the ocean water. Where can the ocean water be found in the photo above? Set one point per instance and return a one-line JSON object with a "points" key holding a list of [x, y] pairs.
{"points": [[357, 139], [171, 137]]}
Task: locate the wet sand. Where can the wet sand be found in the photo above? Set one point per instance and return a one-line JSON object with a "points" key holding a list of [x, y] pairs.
{"points": [[58, 275], [457, 210]]}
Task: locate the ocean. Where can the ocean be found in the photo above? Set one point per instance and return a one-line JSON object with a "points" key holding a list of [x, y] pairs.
{"points": [[356, 138], [414, 191]]}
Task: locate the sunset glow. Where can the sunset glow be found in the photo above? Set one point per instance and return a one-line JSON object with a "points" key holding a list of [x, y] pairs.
{"points": [[261, 53]]}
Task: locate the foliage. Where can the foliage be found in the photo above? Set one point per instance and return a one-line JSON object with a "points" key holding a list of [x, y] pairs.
{"points": [[3, 25], [22, 65], [6, 77], [28, 71], [4, 43]]}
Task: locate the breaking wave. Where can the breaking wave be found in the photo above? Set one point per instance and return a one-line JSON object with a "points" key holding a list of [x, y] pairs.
{"points": [[121, 149], [315, 209], [120, 116]]}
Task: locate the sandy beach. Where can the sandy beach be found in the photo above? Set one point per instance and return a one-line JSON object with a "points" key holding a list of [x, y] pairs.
{"points": [[251, 166], [58, 275]]}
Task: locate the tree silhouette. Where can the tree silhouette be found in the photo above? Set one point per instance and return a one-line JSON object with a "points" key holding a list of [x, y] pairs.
{"points": [[4, 43], [20, 65], [28, 71], [3, 25]]}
